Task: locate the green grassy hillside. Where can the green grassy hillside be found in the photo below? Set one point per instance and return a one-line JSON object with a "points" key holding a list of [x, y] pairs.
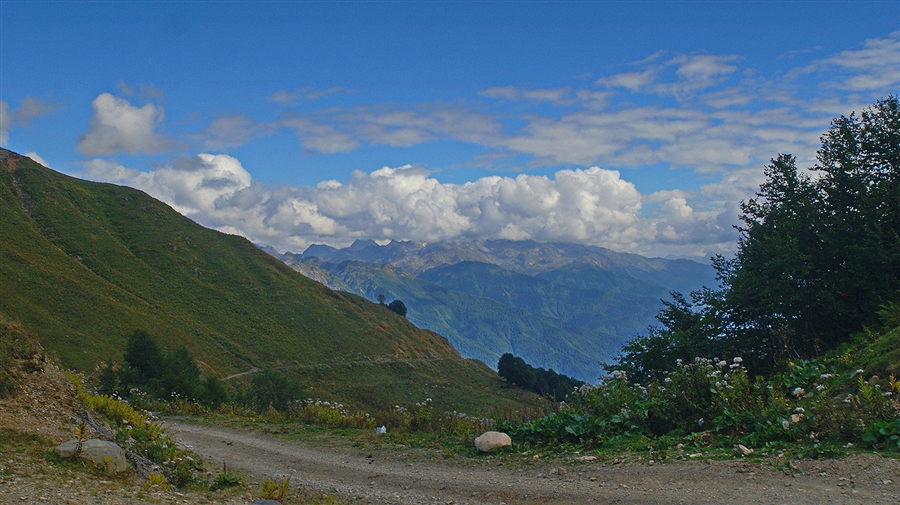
{"points": [[83, 264]]}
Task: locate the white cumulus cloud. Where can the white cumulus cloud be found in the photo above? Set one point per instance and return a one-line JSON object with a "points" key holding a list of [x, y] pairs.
{"points": [[591, 206], [119, 127]]}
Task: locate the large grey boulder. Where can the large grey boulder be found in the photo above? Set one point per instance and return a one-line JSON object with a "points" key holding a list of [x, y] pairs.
{"points": [[491, 440], [100, 452]]}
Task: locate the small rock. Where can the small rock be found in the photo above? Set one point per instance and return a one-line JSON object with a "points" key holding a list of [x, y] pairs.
{"points": [[586, 458], [491, 440], [742, 450]]}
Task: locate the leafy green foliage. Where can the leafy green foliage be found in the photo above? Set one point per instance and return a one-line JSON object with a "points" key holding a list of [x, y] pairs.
{"points": [[181, 376], [818, 258], [213, 393], [884, 434], [170, 375], [720, 402], [225, 480]]}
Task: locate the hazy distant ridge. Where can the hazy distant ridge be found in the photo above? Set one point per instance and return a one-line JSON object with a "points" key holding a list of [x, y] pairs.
{"points": [[558, 305]]}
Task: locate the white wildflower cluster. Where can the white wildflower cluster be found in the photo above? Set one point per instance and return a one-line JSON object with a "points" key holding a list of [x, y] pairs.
{"points": [[619, 374], [586, 389], [720, 370], [480, 423], [339, 407]]}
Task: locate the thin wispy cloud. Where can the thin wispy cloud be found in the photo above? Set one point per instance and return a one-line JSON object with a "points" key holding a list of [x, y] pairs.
{"points": [[231, 131], [29, 108], [876, 66], [300, 95]]}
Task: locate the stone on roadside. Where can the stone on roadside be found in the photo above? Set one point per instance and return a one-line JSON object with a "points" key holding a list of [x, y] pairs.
{"points": [[100, 452], [491, 440], [742, 450], [586, 458]]}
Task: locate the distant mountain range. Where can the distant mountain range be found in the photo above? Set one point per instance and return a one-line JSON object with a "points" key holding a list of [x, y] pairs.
{"points": [[556, 305]]}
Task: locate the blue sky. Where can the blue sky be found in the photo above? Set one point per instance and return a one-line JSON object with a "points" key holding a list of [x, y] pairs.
{"points": [[638, 126]]}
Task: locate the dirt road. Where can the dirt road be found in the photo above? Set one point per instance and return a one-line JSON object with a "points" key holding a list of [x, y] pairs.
{"points": [[390, 477]]}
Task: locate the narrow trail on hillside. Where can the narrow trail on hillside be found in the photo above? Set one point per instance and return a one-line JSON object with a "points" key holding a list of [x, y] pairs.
{"points": [[374, 360], [397, 477]]}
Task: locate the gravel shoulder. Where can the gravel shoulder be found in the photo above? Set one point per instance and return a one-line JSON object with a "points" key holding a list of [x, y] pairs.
{"points": [[389, 477]]}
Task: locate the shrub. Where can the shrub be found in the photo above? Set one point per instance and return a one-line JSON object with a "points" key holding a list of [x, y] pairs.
{"points": [[274, 490], [225, 480], [270, 389], [720, 400], [397, 307]]}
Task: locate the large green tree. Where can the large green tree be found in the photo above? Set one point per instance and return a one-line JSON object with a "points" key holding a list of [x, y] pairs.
{"points": [[817, 256], [143, 358]]}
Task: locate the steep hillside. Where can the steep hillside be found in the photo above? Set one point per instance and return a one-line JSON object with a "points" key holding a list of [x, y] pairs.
{"points": [[84, 264]]}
